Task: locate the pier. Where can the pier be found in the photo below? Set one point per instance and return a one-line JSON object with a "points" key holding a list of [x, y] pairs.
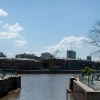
{"points": [[9, 83], [88, 90]]}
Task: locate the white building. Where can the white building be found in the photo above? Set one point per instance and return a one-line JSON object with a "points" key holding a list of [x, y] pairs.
{"points": [[45, 55], [30, 56]]}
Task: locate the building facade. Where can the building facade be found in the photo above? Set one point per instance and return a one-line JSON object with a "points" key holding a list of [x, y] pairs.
{"points": [[89, 58], [24, 55], [31, 64], [45, 55], [71, 54], [2, 55]]}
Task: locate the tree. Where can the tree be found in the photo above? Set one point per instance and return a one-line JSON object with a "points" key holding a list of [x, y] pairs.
{"points": [[87, 71], [94, 38]]}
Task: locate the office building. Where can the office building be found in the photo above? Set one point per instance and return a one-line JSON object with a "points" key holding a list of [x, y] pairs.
{"points": [[71, 54], [30, 56], [45, 55], [89, 58], [2, 55]]}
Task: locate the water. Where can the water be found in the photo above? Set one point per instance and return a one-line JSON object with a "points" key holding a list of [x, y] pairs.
{"points": [[41, 87]]}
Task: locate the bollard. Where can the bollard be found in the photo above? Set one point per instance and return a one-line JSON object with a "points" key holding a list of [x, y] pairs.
{"points": [[66, 95]]}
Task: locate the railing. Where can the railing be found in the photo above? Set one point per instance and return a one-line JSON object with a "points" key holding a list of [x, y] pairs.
{"points": [[7, 74], [92, 81]]}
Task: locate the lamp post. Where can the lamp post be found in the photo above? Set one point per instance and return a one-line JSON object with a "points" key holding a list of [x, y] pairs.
{"points": [[3, 70]]}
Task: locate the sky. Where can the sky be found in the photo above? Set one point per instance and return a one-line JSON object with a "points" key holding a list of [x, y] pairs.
{"points": [[38, 26]]}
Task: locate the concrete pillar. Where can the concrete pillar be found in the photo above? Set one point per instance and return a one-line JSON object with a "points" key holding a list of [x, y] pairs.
{"points": [[17, 82], [10, 83], [3, 87], [71, 83]]}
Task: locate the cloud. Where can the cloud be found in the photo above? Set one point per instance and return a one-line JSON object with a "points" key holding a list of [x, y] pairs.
{"points": [[64, 44], [20, 42], [3, 13], [27, 52], [1, 21], [9, 54], [37, 53], [7, 35], [14, 29]]}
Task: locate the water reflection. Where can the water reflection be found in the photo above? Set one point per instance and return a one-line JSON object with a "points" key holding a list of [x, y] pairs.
{"points": [[41, 87]]}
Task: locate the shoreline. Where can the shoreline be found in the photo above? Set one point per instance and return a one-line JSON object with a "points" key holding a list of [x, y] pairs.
{"points": [[43, 71]]}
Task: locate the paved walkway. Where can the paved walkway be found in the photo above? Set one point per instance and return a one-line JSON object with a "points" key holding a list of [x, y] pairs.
{"points": [[89, 89]]}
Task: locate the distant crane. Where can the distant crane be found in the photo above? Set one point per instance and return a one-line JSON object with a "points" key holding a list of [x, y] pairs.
{"points": [[52, 57], [54, 54]]}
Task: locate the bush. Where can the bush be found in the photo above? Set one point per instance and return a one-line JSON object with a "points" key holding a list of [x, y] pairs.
{"points": [[87, 71]]}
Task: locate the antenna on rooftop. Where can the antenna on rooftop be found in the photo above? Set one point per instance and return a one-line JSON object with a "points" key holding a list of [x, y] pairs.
{"points": [[71, 46]]}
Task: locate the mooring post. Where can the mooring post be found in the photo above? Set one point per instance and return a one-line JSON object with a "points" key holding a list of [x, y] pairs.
{"points": [[66, 95]]}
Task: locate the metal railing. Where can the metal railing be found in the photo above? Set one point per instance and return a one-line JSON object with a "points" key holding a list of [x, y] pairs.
{"points": [[7, 74], [92, 81]]}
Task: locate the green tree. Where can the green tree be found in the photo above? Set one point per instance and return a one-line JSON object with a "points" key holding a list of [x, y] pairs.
{"points": [[87, 71]]}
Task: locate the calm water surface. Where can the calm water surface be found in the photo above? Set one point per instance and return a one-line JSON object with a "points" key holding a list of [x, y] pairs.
{"points": [[41, 87]]}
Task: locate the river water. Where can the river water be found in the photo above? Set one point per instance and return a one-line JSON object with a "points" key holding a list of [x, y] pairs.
{"points": [[41, 87]]}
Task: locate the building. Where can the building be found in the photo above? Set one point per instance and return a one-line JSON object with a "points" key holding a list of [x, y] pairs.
{"points": [[71, 54], [19, 63], [89, 58], [30, 56], [45, 55], [2, 55]]}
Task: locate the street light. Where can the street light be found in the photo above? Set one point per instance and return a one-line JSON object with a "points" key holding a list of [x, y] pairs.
{"points": [[3, 70]]}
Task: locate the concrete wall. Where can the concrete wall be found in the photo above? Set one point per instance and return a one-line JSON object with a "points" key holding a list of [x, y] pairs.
{"points": [[83, 92], [3, 87], [8, 84], [77, 92]]}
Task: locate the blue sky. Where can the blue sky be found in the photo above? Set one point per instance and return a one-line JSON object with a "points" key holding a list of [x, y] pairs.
{"points": [[37, 26]]}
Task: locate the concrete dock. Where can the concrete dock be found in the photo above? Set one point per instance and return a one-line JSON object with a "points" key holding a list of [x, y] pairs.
{"points": [[81, 91], [9, 83]]}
